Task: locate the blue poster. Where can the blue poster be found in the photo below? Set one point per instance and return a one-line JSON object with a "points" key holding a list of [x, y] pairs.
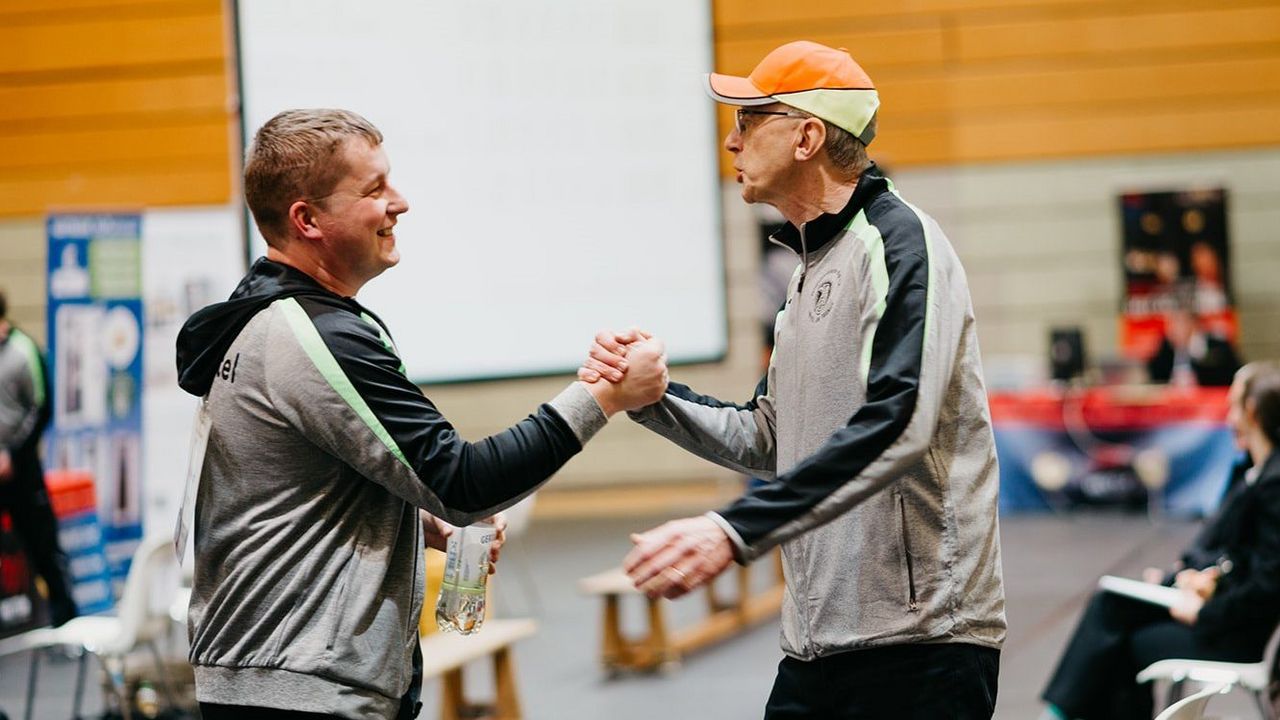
{"points": [[95, 359]]}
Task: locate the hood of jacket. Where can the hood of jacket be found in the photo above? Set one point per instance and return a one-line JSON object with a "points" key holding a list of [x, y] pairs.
{"points": [[206, 335]]}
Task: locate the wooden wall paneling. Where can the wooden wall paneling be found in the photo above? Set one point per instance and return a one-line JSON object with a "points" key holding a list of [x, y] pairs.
{"points": [[998, 80], [1105, 35], [921, 45], [1082, 89], [192, 181], [69, 48], [763, 13], [41, 9], [138, 143], [200, 91], [113, 104], [1171, 130], [1048, 136]]}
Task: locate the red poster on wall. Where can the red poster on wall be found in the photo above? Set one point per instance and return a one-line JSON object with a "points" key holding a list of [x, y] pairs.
{"points": [[1176, 258]]}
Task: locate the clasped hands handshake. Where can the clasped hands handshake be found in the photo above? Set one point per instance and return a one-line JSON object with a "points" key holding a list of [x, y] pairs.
{"points": [[627, 371], [635, 365]]}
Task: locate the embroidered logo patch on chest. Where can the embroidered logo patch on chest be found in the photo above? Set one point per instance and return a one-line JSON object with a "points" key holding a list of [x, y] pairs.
{"points": [[821, 296]]}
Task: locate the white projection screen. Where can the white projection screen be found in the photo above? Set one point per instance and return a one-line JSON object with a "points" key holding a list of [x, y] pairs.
{"points": [[559, 159]]}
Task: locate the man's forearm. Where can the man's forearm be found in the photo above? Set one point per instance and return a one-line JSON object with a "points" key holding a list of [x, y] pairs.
{"points": [[736, 438]]}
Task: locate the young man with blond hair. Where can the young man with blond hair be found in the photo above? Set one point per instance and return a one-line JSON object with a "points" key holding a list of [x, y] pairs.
{"points": [[308, 545]]}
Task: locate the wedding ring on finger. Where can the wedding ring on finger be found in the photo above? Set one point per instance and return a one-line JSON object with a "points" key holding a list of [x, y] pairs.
{"points": [[683, 581]]}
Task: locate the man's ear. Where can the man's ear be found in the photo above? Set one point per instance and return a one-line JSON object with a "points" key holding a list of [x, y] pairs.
{"points": [[813, 134], [302, 221]]}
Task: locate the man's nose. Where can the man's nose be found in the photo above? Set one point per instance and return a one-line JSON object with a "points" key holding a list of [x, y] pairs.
{"points": [[398, 204], [733, 141]]}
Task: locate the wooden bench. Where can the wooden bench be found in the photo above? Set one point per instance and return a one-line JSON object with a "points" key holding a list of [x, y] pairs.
{"points": [[446, 654], [661, 647]]}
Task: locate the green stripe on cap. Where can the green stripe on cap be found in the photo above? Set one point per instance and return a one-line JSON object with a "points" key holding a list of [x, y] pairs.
{"points": [[850, 110], [305, 331]]}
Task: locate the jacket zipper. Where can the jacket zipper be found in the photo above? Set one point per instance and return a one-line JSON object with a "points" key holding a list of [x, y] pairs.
{"points": [[912, 603], [420, 543], [797, 587], [804, 260]]}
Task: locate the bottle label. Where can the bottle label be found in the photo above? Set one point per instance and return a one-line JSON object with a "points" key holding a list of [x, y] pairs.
{"points": [[467, 561]]}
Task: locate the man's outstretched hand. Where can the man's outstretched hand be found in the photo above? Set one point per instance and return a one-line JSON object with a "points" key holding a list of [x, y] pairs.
{"points": [[678, 556], [607, 357]]}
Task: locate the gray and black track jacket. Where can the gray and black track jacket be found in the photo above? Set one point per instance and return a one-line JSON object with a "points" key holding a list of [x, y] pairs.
{"points": [[308, 570], [24, 393], [873, 428]]}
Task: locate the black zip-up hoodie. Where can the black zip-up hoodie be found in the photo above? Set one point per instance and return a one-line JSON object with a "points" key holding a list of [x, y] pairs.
{"points": [[308, 584]]}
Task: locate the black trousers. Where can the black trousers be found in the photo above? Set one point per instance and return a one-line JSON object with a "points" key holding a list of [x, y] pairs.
{"points": [[900, 682], [1117, 637], [213, 711], [26, 500]]}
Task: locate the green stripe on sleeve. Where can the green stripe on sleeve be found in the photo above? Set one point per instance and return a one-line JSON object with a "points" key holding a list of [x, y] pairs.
{"points": [[27, 347], [305, 331], [385, 338], [874, 243]]}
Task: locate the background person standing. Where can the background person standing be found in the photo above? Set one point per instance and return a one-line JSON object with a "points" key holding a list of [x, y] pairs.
{"points": [[24, 413]]}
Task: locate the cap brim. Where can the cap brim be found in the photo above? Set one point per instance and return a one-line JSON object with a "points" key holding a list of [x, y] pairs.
{"points": [[732, 90]]}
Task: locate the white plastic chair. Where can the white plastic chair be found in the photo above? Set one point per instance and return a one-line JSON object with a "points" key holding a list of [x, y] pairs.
{"points": [[142, 616], [1254, 677], [1192, 708]]}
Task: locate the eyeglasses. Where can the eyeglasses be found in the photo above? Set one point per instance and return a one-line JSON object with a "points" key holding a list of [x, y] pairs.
{"points": [[740, 122]]}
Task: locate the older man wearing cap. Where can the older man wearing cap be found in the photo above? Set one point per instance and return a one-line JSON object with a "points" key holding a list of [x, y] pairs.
{"points": [[871, 423]]}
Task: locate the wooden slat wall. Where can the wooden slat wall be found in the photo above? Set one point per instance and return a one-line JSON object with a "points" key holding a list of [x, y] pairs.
{"points": [[965, 81], [114, 102]]}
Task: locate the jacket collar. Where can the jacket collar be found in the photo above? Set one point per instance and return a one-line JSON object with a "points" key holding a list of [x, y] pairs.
{"points": [[1270, 468], [824, 228]]}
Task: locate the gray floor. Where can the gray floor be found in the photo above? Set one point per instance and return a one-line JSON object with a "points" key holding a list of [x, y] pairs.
{"points": [[1049, 565]]}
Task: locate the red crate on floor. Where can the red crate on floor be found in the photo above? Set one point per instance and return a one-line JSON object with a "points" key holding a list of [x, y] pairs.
{"points": [[71, 492], [75, 504]]}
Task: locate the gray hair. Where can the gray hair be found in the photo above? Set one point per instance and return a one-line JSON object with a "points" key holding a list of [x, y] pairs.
{"points": [[847, 152]]}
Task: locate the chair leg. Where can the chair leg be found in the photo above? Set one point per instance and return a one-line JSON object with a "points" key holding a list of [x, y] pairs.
{"points": [[31, 684], [80, 673], [117, 684], [1265, 708], [452, 699], [166, 684], [506, 696]]}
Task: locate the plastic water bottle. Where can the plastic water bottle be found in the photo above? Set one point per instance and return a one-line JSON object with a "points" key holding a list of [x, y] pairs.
{"points": [[466, 571]]}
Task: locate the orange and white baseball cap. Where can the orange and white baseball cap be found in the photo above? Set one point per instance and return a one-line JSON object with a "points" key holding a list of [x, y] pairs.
{"points": [[822, 81]]}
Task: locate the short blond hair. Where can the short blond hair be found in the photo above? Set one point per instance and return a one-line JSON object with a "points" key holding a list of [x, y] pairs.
{"points": [[297, 155]]}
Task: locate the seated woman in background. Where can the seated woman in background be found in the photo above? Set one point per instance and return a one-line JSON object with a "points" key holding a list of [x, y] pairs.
{"points": [[1231, 584]]}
